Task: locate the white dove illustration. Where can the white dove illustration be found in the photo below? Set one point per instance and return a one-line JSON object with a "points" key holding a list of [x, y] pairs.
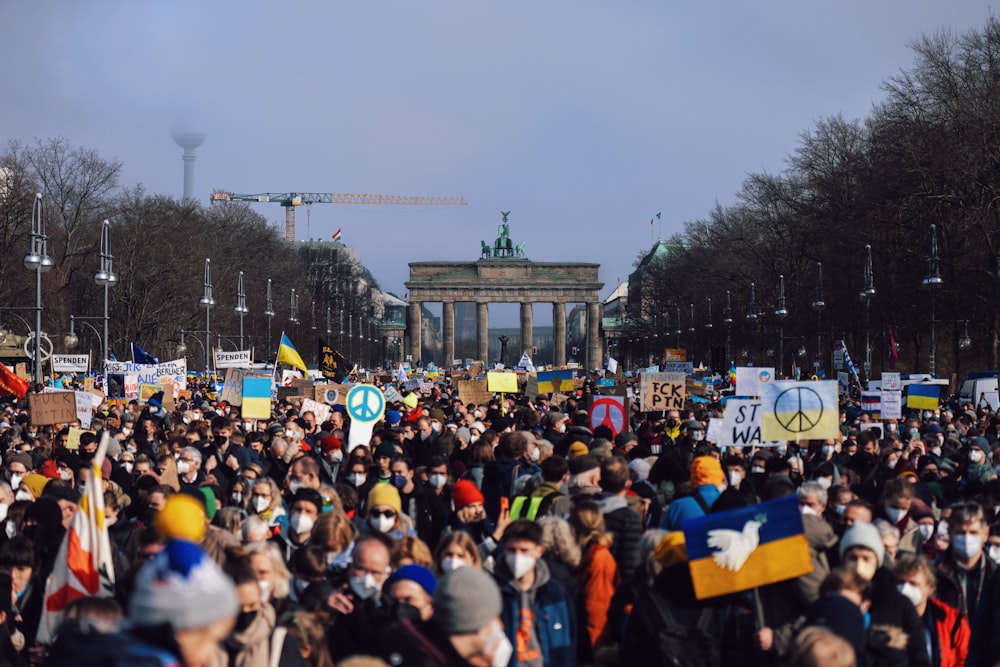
{"points": [[734, 546]]}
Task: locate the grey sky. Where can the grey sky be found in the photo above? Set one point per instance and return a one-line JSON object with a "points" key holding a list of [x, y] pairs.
{"points": [[583, 117]]}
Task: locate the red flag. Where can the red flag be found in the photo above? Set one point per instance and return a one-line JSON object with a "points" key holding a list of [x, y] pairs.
{"points": [[893, 355], [10, 383], [650, 222]]}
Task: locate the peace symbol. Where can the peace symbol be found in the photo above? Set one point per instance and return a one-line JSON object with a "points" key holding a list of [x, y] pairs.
{"points": [[365, 403], [607, 411], [798, 409], [29, 346]]}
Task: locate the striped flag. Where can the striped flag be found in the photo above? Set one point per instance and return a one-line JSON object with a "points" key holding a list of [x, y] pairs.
{"points": [[336, 234], [84, 564], [893, 354]]}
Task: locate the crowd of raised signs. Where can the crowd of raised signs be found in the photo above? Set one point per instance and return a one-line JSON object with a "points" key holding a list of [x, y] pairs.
{"points": [[507, 533]]}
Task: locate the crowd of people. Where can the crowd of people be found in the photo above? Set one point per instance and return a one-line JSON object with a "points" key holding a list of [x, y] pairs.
{"points": [[507, 533]]}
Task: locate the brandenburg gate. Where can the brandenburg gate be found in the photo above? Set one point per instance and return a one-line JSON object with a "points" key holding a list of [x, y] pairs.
{"points": [[504, 275]]}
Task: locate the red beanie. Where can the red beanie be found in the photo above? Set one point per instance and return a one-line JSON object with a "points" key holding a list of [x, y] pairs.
{"points": [[50, 469], [328, 443], [466, 493]]}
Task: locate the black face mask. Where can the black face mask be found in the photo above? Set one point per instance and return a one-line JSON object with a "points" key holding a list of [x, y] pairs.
{"points": [[671, 423], [219, 440], [401, 611], [244, 619]]}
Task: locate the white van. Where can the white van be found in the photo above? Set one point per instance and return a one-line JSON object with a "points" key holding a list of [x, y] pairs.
{"points": [[979, 391]]}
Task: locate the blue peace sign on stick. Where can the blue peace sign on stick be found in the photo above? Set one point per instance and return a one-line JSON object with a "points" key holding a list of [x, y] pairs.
{"points": [[365, 403]]}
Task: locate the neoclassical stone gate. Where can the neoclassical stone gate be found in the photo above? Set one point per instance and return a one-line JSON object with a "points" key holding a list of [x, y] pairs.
{"points": [[509, 278]]}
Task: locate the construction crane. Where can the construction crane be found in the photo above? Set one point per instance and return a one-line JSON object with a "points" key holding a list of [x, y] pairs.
{"points": [[292, 199]]}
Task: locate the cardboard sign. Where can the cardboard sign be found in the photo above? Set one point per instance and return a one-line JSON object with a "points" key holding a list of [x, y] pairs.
{"points": [[147, 391], [336, 394], [714, 430], [52, 408], [474, 391], [675, 355], [232, 388], [504, 383], [749, 380], [73, 441], [662, 391], [168, 394], [320, 410]]}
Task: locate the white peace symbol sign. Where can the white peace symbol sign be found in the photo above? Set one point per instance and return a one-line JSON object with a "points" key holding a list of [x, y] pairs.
{"points": [[365, 403], [29, 346]]}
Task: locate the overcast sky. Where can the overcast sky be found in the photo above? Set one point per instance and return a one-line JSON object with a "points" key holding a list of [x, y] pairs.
{"points": [[583, 117]]}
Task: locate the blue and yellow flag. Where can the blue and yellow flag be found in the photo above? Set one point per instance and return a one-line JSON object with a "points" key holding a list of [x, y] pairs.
{"points": [[747, 547], [553, 381], [287, 354], [923, 396], [799, 410]]}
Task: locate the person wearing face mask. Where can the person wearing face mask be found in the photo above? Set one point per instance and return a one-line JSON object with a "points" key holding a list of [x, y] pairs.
{"points": [[358, 610], [383, 513], [901, 508], [426, 444], [554, 425], [189, 468], [304, 508], [539, 617], [947, 632], [331, 458], [964, 569], [891, 612]]}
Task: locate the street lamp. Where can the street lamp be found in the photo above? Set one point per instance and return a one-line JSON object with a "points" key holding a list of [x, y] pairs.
{"points": [[818, 305], [71, 340], [751, 317], [727, 321], [293, 308], [932, 280], [106, 278], [965, 343], [207, 301], [269, 314], [241, 305], [866, 295], [38, 260], [781, 313]]}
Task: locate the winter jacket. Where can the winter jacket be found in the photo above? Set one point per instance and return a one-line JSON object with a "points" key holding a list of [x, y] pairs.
{"points": [[688, 508], [950, 634], [554, 616], [984, 646], [598, 577], [960, 588], [250, 647], [626, 526], [893, 615]]}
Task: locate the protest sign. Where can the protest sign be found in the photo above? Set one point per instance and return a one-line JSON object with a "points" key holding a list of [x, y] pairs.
{"points": [[662, 391], [740, 423], [551, 381], [750, 379], [256, 398], [147, 391], [674, 355], [320, 410], [70, 363], [891, 382], [501, 382], [84, 408], [871, 402], [232, 388], [892, 405], [609, 411], [237, 359], [531, 386], [58, 407], [799, 410], [335, 394], [168, 394], [73, 439], [714, 430]]}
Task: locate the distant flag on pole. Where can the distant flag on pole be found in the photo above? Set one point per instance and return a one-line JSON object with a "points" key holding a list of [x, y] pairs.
{"points": [[336, 234], [140, 356], [893, 354], [401, 374], [732, 374]]}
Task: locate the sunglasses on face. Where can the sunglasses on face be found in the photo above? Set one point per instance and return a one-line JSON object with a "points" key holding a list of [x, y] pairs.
{"points": [[389, 514]]}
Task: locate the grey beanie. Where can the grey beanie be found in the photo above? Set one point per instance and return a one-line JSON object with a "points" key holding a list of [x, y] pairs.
{"points": [[466, 600], [865, 535]]}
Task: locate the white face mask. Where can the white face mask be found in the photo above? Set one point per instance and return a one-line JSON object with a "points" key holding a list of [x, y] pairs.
{"points": [[561, 428], [895, 514], [436, 427], [912, 593], [237, 497], [535, 453], [735, 478], [807, 511], [966, 546], [451, 564], [183, 467], [15, 481], [3, 512], [976, 455], [301, 523], [500, 646], [356, 479], [336, 456], [478, 414], [781, 450], [936, 451], [438, 480], [926, 530], [697, 436], [10, 529], [294, 485], [365, 587], [265, 589], [261, 503], [826, 450], [382, 524], [128, 465], [825, 482], [23, 495], [994, 553], [65, 474], [520, 564]]}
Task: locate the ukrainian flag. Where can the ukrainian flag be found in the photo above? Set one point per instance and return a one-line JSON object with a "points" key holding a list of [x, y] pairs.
{"points": [[923, 396], [747, 547], [256, 398], [553, 381], [287, 354]]}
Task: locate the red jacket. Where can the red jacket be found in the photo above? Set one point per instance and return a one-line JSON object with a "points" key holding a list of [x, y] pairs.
{"points": [[952, 634]]}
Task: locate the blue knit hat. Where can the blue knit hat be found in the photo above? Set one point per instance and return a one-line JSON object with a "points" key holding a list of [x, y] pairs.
{"points": [[418, 574]]}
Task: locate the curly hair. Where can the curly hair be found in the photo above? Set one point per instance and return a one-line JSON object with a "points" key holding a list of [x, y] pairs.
{"points": [[558, 540]]}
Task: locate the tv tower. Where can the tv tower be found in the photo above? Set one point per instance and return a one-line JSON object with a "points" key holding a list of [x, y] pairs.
{"points": [[188, 140]]}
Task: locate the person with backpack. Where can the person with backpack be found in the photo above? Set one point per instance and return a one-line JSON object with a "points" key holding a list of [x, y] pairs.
{"points": [[555, 473], [707, 479]]}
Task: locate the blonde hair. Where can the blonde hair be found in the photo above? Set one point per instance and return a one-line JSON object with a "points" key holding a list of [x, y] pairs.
{"points": [[272, 553], [332, 530], [307, 628], [558, 540], [413, 549], [818, 647], [462, 539], [587, 523]]}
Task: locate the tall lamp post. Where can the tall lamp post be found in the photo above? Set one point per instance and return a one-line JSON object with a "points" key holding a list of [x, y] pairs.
{"points": [[708, 327], [818, 305], [38, 260], [106, 278], [867, 294], [241, 305], [751, 317], [932, 281], [781, 312], [727, 321], [269, 314], [207, 301]]}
